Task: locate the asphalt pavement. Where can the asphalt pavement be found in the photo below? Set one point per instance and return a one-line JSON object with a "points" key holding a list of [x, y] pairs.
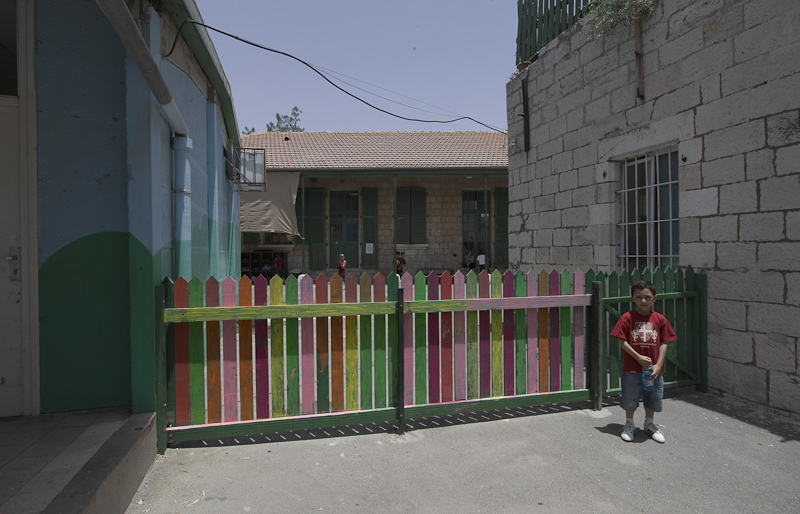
{"points": [[722, 454]]}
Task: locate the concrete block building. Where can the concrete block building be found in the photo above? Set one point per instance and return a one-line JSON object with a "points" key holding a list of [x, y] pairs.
{"points": [[689, 157]]}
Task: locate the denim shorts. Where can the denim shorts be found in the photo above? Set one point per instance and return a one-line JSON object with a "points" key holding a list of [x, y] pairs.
{"points": [[632, 390]]}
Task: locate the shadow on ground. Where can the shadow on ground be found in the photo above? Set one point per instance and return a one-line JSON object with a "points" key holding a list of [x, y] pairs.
{"points": [[386, 427], [782, 424]]}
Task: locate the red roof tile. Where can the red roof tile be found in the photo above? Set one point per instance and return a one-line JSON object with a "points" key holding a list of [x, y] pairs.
{"points": [[381, 150]]}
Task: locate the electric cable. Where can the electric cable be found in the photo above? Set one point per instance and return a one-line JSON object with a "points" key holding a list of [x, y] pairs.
{"points": [[257, 45]]}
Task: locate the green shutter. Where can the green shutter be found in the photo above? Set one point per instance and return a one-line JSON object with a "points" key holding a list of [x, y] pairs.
{"points": [[251, 238], [369, 227], [402, 219], [500, 227], [315, 227], [419, 216]]}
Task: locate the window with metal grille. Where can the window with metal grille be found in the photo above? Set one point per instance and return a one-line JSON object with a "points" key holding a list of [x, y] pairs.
{"points": [[650, 217]]}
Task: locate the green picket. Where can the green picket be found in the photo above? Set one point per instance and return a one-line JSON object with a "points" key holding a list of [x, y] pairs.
{"points": [[392, 285], [566, 336], [613, 348], [420, 340], [365, 345], [473, 358], [520, 334]]}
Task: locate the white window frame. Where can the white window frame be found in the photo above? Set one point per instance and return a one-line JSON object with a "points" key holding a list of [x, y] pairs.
{"points": [[649, 193]]}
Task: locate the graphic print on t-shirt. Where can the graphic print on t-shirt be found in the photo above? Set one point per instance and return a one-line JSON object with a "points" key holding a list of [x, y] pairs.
{"points": [[644, 333]]}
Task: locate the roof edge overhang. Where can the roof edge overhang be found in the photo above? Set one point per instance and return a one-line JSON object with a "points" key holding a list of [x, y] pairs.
{"points": [[200, 43], [489, 171]]}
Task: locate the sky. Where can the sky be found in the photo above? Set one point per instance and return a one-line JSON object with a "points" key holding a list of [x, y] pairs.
{"points": [[448, 57]]}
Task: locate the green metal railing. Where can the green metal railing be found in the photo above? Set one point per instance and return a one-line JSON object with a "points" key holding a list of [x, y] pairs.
{"points": [[541, 21]]}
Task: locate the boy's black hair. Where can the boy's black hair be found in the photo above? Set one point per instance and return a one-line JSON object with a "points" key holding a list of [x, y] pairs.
{"points": [[641, 285]]}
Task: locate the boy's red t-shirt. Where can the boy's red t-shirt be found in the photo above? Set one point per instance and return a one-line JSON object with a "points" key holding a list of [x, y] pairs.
{"points": [[645, 333]]}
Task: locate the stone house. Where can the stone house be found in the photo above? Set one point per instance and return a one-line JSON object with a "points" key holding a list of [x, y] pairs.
{"points": [[690, 159], [433, 195]]}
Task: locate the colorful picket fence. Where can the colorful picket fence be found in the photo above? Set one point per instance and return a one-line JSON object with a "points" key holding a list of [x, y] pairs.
{"points": [[240, 358]]}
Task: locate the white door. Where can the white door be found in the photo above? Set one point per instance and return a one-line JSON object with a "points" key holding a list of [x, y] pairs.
{"points": [[11, 370], [18, 359]]}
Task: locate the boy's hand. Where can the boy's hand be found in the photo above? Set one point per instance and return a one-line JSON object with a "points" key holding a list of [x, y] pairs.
{"points": [[645, 362], [656, 370]]}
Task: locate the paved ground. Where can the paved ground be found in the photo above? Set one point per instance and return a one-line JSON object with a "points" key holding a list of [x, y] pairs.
{"points": [[721, 455]]}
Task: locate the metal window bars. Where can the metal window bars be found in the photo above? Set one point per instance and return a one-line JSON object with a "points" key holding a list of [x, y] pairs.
{"points": [[650, 218]]}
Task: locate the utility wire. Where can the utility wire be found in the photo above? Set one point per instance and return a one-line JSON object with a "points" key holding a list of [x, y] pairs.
{"points": [[257, 45]]}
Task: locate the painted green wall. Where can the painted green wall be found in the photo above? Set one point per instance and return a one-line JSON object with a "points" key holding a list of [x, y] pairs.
{"points": [[84, 324]]}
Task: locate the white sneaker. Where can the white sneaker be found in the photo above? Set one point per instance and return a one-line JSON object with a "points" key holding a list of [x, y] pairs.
{"points": [[654, 433], [627, 432]]}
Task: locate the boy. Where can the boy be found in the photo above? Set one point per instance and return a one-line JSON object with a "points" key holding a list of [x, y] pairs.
{"points": [[643, 335]]}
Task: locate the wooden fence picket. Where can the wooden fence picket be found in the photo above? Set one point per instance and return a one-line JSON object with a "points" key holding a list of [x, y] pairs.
{"points": [[351, 346], [368, 365], [276, 346], [459, 341], [473, 350], [497, 350], [307, 346], [407, 284], [485, 338], [229, 358], [579, 287], [447, 340], [323, 357], [262, 352], [292, 351], [543, 281], [434, 343], [555, 339], [213, 364], [509, 368], [532, 335], [565, 334], [197, 394], [380, 356], [246, 351], [182, 402], [337, 348], [420, 350]]}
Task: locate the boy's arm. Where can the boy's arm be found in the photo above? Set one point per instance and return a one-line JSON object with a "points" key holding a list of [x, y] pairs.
{"points": [[645, 362], [662, 354]]}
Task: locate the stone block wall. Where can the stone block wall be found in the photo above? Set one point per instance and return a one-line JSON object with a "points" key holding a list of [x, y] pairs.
{"points": [[722, 85]]}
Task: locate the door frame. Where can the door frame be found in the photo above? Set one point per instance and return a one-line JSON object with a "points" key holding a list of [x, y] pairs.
{"points": [[29, 223]]}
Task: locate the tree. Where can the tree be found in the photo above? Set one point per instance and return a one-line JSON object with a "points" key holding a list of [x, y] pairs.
{"points": [[286, 123], [248, 130]]}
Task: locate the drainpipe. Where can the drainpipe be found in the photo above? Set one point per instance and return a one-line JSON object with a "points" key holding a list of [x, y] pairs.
{"points": [[121, 19]]}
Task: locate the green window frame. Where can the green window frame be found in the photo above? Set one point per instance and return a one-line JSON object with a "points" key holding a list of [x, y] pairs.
{"points": [[412, 215]]}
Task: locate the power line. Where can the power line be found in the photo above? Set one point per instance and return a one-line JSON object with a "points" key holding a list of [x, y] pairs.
{"points": [[257, 45]]}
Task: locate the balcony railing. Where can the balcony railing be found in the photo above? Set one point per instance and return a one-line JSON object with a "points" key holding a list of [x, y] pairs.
{"points": [[541, 21]]}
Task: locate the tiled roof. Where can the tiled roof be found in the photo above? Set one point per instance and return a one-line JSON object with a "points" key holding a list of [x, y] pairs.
{"points": [[381, 150]]}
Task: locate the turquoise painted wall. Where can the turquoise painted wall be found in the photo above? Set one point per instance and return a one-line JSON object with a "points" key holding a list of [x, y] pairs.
{"points": [[106, 207]]}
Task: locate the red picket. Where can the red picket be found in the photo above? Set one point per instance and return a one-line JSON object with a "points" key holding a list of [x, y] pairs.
{"points": [[246, 351], [262, 352], [555, 339], [447, 340]]}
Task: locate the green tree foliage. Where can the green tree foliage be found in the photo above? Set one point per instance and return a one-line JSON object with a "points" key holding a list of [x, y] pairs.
{"points": [[610, 13], [286, 123], [248, 130]]}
